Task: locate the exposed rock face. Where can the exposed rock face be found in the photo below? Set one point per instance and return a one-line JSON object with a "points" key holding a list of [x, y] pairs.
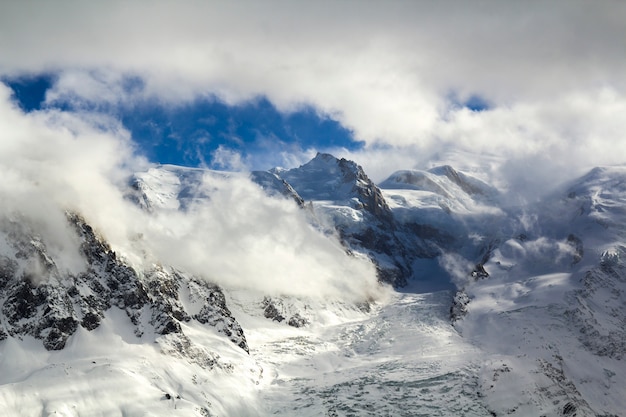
{"points": [[458, 309], [479, 272], [40, 311], [271, 311], [326, 178], [577, 245], [278, 310], [597, 309], [214, 312], [367, 192], [50, 305], [33, 294], [297, 321]]}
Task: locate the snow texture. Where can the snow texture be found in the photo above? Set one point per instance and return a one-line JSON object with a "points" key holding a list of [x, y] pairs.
{"points": [[497, 309]]}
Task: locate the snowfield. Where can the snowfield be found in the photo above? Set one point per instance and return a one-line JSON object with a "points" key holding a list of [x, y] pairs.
{"points": [[403, 358], [507, 310]]}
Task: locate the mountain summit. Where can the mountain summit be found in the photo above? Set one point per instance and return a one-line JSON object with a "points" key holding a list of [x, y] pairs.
{"points": [[328, 178]]}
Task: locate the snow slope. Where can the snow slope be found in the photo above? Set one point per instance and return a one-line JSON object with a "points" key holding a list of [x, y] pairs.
{"points": [[110, 372], [552, 308], [498, 310], [403, 358]]}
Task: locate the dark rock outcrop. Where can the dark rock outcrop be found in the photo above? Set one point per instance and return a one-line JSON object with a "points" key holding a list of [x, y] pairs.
{"points": [[270, 311], [458, 309], [378, 235], [297, 321], [39, 300]]}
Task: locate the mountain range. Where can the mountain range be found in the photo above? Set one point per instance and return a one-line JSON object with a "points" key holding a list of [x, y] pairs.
{"points": [[314, 291]]}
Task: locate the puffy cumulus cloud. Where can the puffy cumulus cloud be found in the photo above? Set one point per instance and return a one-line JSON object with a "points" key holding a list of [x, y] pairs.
{"points": [[526, 149], [530, 127], [54, 161], [544, 142], [95, 88], [72, 160], [384, 69]]}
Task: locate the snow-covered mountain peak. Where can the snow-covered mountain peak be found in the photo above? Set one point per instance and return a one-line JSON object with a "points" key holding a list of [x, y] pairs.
{"points": [[608, 182], [442, 180], [326, 178], [467, 183], [596, 200], [276, 309], [413, 180]]}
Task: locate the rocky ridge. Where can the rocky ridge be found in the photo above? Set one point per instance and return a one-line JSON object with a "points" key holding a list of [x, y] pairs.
{"points": [[50, 305], [367, 218], [556, 296], [361, 215]]}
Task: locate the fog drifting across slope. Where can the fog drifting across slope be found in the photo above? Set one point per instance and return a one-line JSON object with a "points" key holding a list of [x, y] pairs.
{"points": [[54, 161], [240, 237]]}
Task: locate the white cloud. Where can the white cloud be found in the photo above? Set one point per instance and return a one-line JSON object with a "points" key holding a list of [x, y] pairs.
{"points": [[241, 238], [228, 160], [385, 70], [54, 161], [527, 148], [457, 267]]}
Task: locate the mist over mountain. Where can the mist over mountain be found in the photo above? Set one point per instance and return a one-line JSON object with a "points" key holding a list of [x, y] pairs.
{"points": [[309, 291], [325, 208]]}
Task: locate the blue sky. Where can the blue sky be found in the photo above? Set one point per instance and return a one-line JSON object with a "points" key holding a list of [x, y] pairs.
{"points": [[193, 133], [189, 134]]}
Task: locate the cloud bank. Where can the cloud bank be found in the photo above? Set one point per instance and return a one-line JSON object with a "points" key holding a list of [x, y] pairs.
{"points": [[396, 73], [391, 60], [239, 238]]}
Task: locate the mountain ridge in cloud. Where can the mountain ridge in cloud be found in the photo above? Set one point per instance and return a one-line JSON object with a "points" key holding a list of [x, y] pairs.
{"points": [[382, 72], [237, 237]]}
